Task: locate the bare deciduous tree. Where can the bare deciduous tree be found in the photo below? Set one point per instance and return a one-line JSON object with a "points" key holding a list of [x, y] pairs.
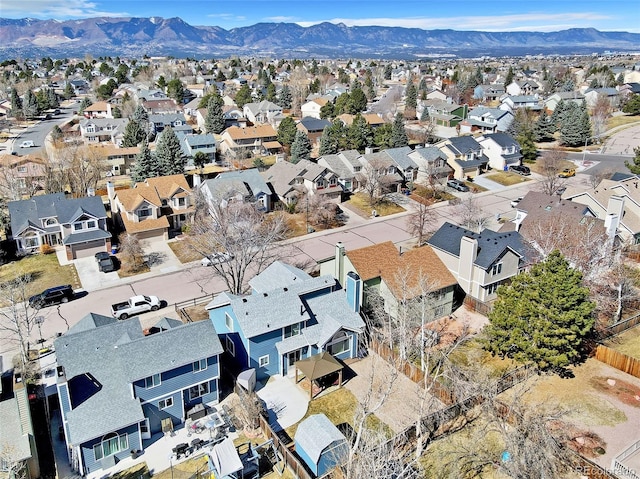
{"points": [[319, 210], [550, 164], [131, 252], [471, 215], [600, 112], [374, 180], [422, 222], [247, 408], [248, 236]]}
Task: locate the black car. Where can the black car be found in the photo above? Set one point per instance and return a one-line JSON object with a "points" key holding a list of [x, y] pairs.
{"points": [[520, 169], [106, 264], [457, 185], [100, 255], [55, 295]]}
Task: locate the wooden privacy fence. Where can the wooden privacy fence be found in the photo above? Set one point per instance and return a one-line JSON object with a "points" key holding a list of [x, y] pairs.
{"points": [[618, 360], [621, 326], [291, 459]]}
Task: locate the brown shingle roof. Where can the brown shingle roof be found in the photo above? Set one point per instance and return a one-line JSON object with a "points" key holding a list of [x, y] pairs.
{"points": [[132, 198], [149, 224], [257, 131], [167, 186], [383, 260]]}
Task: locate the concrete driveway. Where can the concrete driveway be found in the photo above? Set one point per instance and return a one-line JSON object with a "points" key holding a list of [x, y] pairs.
{"points": [[286, 403], [91, 278]]}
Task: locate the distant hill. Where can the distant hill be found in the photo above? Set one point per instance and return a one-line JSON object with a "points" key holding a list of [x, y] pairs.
{"points": [[154, 36]]}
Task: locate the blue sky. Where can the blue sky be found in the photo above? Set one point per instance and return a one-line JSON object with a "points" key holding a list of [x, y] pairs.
{"points": [[492, 15]]}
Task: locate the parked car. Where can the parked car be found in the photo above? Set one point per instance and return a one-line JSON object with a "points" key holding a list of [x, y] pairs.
{"points": [[51, 296], [515, 202], [520, 169], [561, 190], [567, 173], [106, 264], [100, 255], [27, 144], [457, 185], [216, 258], [135, 305]]}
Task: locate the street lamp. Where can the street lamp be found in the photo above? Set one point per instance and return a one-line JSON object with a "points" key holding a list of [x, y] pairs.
{"points": [[586, 140]]}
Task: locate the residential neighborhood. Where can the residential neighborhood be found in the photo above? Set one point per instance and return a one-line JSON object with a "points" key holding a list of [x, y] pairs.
{"points": [[342, 268]]}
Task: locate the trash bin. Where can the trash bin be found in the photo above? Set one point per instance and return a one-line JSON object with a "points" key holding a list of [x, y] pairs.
{"points": [[114, 249]]}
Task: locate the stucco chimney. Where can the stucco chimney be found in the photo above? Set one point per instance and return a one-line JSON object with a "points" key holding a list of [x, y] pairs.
{"points": [[339, 266], [468, 254]]}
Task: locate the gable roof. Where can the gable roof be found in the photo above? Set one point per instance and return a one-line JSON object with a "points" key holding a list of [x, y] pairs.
{"points": [[312, 124], [248, 132], [315, 434], [491, 244], [249, 180], [384, 261], [113, 354]]}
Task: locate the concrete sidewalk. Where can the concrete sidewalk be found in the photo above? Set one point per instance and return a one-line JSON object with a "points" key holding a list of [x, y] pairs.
{"points": [[286, 403]]}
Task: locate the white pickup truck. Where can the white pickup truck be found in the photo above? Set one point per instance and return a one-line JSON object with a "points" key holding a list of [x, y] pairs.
{"points": [[135, 305]]}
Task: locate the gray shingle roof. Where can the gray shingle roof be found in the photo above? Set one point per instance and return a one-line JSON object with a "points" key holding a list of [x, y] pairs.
{"points": [[251, 180], [429, 153], [116, 353], [316, 433], [463, 144], [502, 139], [314, 124], [278, 275], [14, 443], [400, 157], [86, 236], [491, 244]]}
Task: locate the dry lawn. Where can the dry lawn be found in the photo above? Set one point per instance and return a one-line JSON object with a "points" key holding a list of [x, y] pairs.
{"points": [[622, 120], [360, 202], [506, 178], [627, 343], [44, 270], [184, 252], [583, 396], [184, 470], [471, 354]]}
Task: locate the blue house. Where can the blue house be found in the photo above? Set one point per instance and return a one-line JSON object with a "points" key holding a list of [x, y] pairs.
{"points": [[288, 316], [320, 444], [118, 384]]}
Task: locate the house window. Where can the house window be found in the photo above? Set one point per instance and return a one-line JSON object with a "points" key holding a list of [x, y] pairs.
{"points": [[228, 322], [439, 311], [152, 381], [30, 241], [50, 222], [492, 288], [333, 181], [339, 345], [22, 169], [198, 390], [77, 226], [496, 269], [199, 365], [111, 444], [91, 224], [292, 330], [182, 201], [144, 212], [165, 403], [263, 361], [231, 347]]}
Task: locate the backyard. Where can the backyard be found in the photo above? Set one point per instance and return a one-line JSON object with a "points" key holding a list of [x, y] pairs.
{"points": [[627, 343]]}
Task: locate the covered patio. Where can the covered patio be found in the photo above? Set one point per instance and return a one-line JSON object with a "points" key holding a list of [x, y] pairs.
{"points": [[319, 367]]}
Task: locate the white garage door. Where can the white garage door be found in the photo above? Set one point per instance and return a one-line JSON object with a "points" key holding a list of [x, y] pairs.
{"points": [[84, 250]]}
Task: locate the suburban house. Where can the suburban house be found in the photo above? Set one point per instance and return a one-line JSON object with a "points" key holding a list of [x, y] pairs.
{"points": [[346, 165], [403, 162], [290, 181], [431, 163], [464, 155], [383, 170], [99, 109], [119, 159], [396, 276], [238, 185], [445, 113], [100, 130], [373, 120], [80, 224], [288, 316], [162, 106], [21, 176], [320, 444], [615, 202], [592, 95], [18, 451], [204, 143], [159, 122], [551, 102], [264, 112], [313, 128], [255, 140], [523, 87], [480, 262], [121, 386], [501, 149], [486, 120], [312, 108], [513, 103], [154, 207], [489, 93]]}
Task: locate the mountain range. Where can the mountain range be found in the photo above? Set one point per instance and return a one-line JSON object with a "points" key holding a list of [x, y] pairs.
{"points": [[155, 36]]}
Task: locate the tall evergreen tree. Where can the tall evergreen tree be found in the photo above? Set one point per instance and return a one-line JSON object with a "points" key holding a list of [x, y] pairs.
{"points": [[287, 131], [382, 136], [175, 90], [285, 98], [411, 99], [359, 134], [327, 110], [301, 147], [171, 158], [543, 316], [509, 78], [543, 129], [575, 126], [271, 93], [133, 134], [398, 134], [327, 145], [30, 106], [387, 71], [527, 146], [146, 164], [243, 96], [68, 91], [358, 101], [16, 104], [214, 120]]}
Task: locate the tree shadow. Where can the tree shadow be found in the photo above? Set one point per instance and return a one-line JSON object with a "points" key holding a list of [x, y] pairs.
{"points": [[156, 258]]}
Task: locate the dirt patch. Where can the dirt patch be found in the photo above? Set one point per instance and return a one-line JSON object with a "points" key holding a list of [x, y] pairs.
{"points": [[623, 391]]}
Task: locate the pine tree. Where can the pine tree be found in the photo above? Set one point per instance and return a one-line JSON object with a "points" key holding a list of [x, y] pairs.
{"points": [[133, 134], [327, 110], [543, 316], [527, 146], [575, 126], [271, 93], [382, 136], [285, 98], [68, 91], [30, 107], [243, 96], [171, 158], [509, 78], [358, 101], [359, 134], [16, 104], [214, 121], [146, 165], [300, 148], [543, 129], [287, 131], [411, 99], [387, 71], [327, 145], [635, 166], [398, 134], [175, 90]]}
